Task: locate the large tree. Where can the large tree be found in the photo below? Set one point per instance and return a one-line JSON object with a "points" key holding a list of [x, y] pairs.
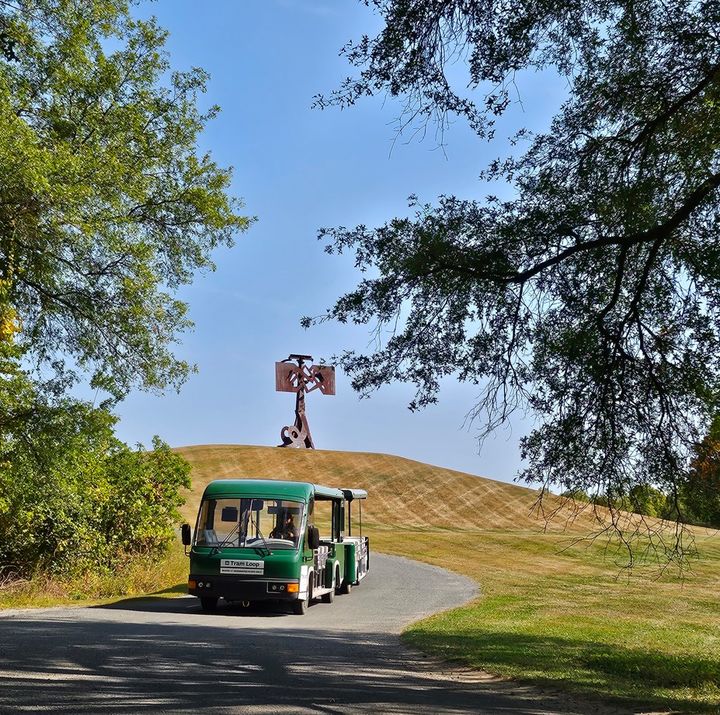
{"points": [[106, 208], [592, 296], [701, 491], [106, 204]]}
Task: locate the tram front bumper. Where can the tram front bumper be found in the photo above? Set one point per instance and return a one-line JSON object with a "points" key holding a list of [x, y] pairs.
{"points": [[234, 589]]}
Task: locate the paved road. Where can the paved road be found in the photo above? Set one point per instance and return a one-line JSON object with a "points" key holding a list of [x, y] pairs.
{"points": [[166, 656]]}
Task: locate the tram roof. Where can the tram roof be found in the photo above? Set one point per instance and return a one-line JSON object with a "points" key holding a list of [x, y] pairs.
{"points": [[279, 489]]}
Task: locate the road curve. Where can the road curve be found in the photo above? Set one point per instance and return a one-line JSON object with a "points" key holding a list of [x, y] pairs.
{"points": [[166, 656]]}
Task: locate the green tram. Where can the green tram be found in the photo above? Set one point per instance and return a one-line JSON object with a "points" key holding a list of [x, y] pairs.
{"points": [[259, 540]]}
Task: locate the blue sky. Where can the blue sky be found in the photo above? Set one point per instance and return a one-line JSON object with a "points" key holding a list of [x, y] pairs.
{"points": [[298, 169]]}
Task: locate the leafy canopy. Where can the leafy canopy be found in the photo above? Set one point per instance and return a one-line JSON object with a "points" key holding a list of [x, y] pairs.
{"points": [[106, 208], [701, 490], [592, 297], [106, 205]]}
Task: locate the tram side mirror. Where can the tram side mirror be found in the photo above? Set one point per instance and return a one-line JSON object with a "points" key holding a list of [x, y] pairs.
{"points": [[313, 537], [186, 534]]}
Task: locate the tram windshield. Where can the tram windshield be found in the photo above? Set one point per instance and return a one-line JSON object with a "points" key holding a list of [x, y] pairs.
{"points": [[250, 523]]}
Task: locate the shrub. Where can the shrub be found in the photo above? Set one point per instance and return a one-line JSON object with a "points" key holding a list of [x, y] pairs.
{"points": [[74, 498]]}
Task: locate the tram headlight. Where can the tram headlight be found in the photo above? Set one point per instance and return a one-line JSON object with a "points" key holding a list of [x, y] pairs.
{"points": [[283, 587]]}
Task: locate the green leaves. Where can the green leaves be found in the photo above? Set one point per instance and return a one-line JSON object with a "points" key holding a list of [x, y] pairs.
{"points": [[106, 207], [73, 498], [590, 298]]}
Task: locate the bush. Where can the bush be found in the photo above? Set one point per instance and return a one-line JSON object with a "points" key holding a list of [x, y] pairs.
{"points": [[74, 498]]}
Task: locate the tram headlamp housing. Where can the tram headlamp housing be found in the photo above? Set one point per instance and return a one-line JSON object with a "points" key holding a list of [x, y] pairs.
{"points": [[281, 588]]}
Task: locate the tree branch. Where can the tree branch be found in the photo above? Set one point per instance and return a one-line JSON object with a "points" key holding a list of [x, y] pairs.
{"points": [[659, 232]]}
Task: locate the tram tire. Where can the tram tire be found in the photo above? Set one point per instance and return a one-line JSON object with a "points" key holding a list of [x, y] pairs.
{"points": [[300, 606], [208, 603], [328, 597]]}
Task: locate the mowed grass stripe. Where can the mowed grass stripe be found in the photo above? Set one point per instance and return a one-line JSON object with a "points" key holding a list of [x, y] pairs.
{"points": [[550, 612], [404, 492]]}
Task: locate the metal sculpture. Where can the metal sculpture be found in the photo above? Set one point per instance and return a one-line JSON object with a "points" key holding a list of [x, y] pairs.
{"points": [[300, 379]]}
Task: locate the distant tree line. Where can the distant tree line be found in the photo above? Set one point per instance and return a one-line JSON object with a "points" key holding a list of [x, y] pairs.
{"points": [[696, 500]]}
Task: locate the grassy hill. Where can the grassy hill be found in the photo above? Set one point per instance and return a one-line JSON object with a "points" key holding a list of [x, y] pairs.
{"points": [[404, 492], [553, 610]]}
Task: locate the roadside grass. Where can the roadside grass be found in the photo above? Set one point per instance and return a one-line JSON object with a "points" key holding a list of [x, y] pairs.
{"points": [[165, 577], [573, 619]]}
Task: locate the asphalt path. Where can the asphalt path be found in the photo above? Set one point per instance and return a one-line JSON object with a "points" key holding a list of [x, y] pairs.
{"points": [[167, 656]]}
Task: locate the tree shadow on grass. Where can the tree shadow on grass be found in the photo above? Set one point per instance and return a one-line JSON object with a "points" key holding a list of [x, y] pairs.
{"points": [[624, 675]]}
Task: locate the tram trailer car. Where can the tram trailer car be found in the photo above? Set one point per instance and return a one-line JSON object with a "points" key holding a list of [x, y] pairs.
{"points": [[255, 540]]}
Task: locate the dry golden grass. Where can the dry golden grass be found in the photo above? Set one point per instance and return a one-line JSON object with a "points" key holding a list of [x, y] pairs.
{"points": [[404, 493], [139, 577]]}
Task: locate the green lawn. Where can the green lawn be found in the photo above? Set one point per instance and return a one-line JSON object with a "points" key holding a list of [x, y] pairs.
{"points": [[576, 621]]}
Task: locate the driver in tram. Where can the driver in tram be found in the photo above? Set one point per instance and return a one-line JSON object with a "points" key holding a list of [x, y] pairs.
{"points": [[286, 529]]}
